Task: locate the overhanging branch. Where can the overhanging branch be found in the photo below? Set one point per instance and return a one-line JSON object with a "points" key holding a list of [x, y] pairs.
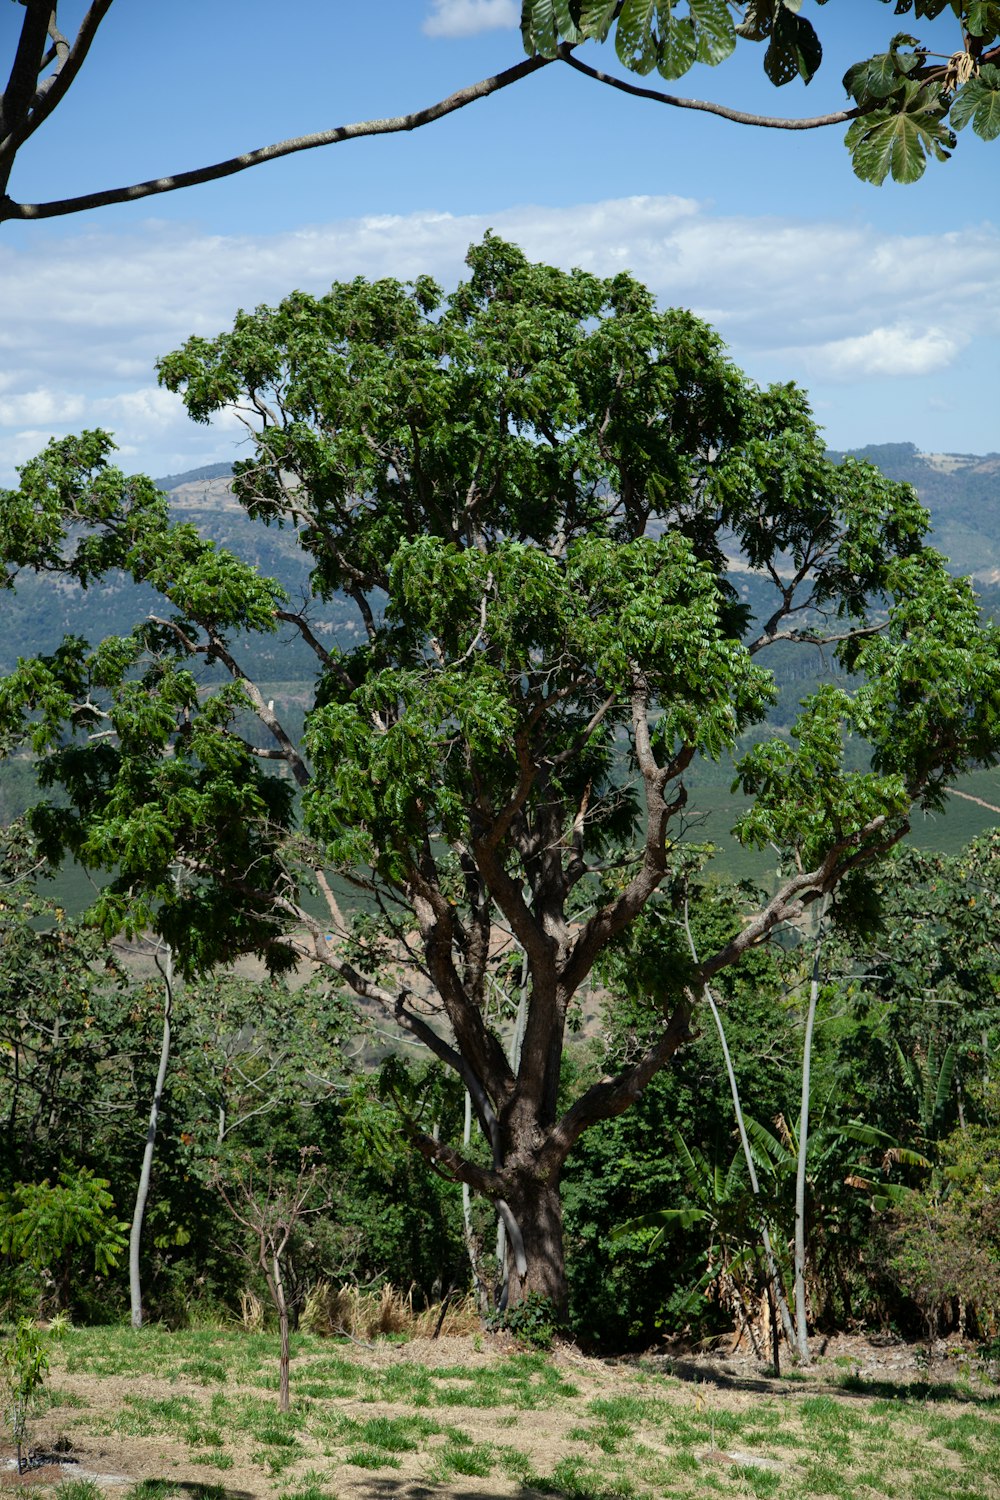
{"points": [[738, 116], [392, 125]]}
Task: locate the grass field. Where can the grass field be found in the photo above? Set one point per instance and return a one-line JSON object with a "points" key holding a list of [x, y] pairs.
{"points": [[193, 1415]]}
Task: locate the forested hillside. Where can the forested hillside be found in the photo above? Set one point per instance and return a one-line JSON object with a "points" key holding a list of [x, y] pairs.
{"points": [[962, 493]]}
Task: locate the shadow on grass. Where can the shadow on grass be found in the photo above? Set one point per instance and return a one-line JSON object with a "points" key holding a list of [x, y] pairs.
{"points": [[796, 1383], [384, 1488], [164, 1489], [913, 1390]]}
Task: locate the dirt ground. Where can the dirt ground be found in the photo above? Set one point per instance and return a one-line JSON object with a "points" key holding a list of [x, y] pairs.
{"points": [[734, 1379]]}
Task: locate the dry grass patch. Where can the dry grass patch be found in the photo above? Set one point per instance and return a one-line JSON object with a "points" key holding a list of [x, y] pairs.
{"points": [[330, 1311]]}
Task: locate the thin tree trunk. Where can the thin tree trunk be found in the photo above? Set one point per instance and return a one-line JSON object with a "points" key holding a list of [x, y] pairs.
{"points": [[277, 1289], [482, 1298], [506, 1253], [142, 1192], [801, 1329], [775, 1339]]}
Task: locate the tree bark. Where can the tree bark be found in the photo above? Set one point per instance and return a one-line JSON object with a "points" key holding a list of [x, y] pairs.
{"points": [[482, 1300], [142, 1192], [535, 1259], [276, 1286]]}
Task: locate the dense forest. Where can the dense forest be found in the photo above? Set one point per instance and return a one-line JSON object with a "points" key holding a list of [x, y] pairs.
{"points": [[902, 1163]]}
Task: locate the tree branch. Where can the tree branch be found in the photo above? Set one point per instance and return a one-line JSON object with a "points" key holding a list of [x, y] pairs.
{"points": [[391, 125], [802, 889], [738, 116], [53, 89], [612, 1096], [15, 100]]}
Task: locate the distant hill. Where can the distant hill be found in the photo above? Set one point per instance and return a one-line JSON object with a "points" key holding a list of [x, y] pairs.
{"points": [[210, 471], [962, 493]]}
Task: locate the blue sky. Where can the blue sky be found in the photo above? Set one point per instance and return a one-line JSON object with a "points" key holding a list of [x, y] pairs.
{"points": [[884, 303]]}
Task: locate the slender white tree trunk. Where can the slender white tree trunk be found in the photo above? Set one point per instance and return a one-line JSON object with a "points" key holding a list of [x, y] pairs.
{"points": [[142, 1193], [801, 1329], [773, 1271]]}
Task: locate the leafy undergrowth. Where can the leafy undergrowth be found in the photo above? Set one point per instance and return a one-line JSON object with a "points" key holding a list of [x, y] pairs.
{"points": [[193, 1416]]}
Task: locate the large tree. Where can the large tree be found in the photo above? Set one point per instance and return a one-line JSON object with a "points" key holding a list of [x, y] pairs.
{"points": [[537, 494], [905, 102]]}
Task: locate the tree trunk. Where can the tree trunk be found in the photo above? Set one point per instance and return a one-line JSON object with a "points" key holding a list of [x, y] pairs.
{"points": [[801, 1325], [482, 1299], [773, 1270], [532, 1214], [142, 1192], [276, 1287], [503, 1260]]}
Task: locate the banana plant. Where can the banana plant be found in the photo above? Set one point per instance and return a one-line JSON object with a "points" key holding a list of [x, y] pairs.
{"points": [[930, 1083], [724, 1203]]}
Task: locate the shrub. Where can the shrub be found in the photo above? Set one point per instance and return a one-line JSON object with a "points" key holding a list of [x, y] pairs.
{"points": [[937, 1257]]}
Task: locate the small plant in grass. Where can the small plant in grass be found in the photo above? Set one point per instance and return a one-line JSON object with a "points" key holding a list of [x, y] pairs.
{"points": [[534, 1321], [369, 1458], [23, 1364], [59, 1325], [80, 1489]]}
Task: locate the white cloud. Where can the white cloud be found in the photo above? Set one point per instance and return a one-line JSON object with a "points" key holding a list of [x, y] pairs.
{"points": [[469, 17], [901, 349], [43, 406], [87, 315]]}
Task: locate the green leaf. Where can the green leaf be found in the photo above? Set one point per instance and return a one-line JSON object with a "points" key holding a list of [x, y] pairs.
{"points": [[636, 41], [678, 48], [896, 141], [540, 27], [979, 101], [794, 49], [875, 78], [594, 18], [905, 62], [758, 16], [569, 31], [982, 20], [716, 34]]}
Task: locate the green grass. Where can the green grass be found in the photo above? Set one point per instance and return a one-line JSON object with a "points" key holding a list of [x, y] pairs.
{"points": [[617, 1433], [80, 1489], [371, 1458]]}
